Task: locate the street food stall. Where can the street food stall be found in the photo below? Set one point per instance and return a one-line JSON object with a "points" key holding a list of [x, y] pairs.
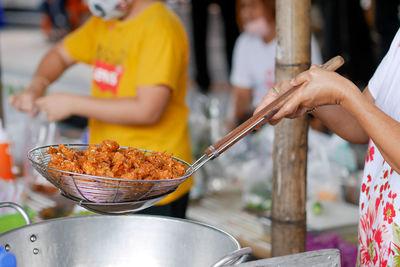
{"points": [[218, 233]]}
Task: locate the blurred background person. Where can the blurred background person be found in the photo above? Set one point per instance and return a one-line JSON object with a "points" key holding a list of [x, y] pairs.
{"points": [[253, 70], [200, 24], [139, 52]]}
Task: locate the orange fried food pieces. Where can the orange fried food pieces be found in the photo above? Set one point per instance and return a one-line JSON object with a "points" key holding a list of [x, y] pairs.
{"points": [[52, 150], [120, 166], [63, 159], [109, 160], [68, 154], [109, 146]]}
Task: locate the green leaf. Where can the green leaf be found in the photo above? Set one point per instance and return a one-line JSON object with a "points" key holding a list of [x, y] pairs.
{"points": [[396, 234], [396, 261]]}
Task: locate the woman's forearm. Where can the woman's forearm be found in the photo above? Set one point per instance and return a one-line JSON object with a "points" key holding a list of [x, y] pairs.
{"points": [[381, 128], [342, 123]]}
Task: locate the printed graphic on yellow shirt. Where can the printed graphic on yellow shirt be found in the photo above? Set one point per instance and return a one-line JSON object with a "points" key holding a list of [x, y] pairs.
{"points": [[107, 77]]}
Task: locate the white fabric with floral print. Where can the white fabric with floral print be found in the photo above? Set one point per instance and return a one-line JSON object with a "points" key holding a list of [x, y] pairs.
{"points": [[379, 226]]}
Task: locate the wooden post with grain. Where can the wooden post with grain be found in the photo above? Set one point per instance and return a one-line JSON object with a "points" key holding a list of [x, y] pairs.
{"points": [[290, 145]]}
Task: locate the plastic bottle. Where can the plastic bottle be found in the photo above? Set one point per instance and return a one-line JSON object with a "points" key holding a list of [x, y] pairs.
{"points": [[7, 259], [5, 156]]}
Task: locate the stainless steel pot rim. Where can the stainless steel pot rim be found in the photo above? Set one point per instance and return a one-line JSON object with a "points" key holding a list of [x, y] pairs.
{"points": [[143, 217], [101, 178]]}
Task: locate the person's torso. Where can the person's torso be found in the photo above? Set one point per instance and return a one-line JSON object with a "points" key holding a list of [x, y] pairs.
{"points": [[261, 65], [379, 226], [115, 72]]}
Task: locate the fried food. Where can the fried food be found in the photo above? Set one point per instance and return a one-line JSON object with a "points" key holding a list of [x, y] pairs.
{"points": [[109, 160]]}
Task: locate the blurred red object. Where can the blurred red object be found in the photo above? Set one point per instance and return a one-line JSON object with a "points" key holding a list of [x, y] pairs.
{"points": [[76, 11], [6, 162], [6, 159]]}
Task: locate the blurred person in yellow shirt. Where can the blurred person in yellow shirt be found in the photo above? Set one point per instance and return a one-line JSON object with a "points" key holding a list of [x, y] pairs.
{"points": [[139, 53]]}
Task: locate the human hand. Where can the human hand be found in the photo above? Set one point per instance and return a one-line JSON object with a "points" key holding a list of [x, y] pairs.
{"points": [[56, 106], [25, 101], [272, 94], [316, 87]]}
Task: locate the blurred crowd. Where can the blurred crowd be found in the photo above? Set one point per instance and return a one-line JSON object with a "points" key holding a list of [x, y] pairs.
{"points": [[358, 30]]}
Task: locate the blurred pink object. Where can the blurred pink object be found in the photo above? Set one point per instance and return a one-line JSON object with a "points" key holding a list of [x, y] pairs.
{"points": [[348, 252]]}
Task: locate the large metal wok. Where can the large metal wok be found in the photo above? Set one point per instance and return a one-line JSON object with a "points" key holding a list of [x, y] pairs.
{"points": [[137, 240]]}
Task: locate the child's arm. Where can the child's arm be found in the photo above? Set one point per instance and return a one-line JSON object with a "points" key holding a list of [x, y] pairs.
{"points": [[51, 66], [146, 108]]}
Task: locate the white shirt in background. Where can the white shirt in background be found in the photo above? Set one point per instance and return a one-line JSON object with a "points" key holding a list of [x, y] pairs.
{"points": [[253, 64]]}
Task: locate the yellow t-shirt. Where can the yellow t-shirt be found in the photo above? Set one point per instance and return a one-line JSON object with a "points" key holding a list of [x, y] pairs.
{"points": [[150, 49]]}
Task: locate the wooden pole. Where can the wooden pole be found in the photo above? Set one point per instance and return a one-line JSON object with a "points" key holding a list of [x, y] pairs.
{"points": [[290, 145]]}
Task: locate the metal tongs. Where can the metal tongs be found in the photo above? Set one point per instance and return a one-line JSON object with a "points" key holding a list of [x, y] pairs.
{"points": [[248, 126]]}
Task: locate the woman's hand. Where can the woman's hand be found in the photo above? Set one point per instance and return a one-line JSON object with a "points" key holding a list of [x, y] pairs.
{"points": [[56, 106], [273, 94], [316, 87]]}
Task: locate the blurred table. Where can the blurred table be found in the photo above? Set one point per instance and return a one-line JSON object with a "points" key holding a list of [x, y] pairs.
{"points": [[225, 211]]}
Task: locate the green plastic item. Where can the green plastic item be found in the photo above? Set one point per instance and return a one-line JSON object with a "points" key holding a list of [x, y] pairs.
{"points": [[317, 208], [12, 221]]}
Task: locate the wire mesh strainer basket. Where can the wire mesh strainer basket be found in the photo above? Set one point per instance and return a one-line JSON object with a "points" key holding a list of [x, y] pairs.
{"points": [[100, 189]]}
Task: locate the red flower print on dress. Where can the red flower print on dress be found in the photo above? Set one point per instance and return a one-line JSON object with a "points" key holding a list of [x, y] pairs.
{"points": [[385, 175], [383, 263], [386, 186], [370, 154], [389, 213], [377, 202], [372, 236], [369, 178]]}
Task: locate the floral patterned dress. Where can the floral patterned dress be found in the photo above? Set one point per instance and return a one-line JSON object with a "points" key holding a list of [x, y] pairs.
{"points": [[379, 230], [379, 224]]}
